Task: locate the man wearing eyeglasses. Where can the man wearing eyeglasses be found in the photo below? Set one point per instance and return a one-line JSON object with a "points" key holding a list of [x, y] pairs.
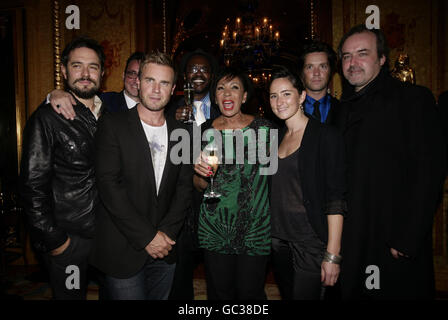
{"points": [[198, 68], [126, 99]]}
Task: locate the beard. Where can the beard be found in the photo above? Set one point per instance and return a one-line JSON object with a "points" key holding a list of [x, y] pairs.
{"points": [[353, 79], [83, 93]]}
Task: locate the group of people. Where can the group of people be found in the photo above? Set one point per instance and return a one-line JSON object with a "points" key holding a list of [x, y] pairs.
{"points": [[356, 182]]}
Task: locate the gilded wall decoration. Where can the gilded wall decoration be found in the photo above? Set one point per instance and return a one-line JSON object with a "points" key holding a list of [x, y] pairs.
{"points": [[394, 30], [112, 24], [113, 61]]}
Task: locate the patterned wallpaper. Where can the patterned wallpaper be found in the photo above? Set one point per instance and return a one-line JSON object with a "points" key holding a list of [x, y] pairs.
{"points": [[112, 24]]}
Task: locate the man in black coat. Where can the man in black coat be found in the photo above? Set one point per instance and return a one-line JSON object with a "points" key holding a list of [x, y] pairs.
{"points": [[396, 163], [144, 191], [57, 175], [317, 64]]}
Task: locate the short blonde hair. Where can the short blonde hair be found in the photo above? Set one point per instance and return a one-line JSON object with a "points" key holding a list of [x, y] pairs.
{"points": [[159, 58]]}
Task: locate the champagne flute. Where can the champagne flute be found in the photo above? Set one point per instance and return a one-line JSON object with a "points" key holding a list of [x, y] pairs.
{"points": [[211, 152], [188, 97]]}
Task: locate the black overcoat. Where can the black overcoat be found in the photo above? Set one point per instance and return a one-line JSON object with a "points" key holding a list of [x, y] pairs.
{"points": [[396, 163]]}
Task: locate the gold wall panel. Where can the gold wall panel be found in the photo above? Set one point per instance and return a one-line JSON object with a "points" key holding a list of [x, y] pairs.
{"points": [[39, 51], [112, 24]]}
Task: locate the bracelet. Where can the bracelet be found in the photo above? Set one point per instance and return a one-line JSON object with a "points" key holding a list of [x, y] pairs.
{"points": [[332, 258]]}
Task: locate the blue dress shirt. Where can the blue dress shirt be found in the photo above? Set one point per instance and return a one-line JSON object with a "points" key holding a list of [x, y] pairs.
{"points": [[324, 107]]}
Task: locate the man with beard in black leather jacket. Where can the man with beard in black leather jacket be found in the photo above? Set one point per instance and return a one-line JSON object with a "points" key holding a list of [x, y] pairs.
{"points": [[57, 173]]}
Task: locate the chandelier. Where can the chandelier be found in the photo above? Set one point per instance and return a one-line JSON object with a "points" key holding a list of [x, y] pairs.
{"points": [[250, 43]]}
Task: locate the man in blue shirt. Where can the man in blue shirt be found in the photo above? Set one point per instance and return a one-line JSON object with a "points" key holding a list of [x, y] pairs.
{"points": [[317, 64]]}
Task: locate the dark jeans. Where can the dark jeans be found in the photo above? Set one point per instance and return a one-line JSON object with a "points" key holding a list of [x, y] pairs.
{"points": [[297, 269], [235, 277], [188, 258], [63, 280], [152, 282]]}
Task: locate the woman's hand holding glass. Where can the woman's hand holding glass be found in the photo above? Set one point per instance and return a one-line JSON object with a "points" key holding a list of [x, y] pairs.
{"points": [[206, 166], [202, 167]]}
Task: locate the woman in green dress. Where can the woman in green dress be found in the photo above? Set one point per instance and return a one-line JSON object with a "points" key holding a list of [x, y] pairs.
{"points": [[234, 229]]}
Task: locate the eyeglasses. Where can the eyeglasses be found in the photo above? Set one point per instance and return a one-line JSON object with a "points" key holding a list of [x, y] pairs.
{"points": [[196, 68], [131, 75]]}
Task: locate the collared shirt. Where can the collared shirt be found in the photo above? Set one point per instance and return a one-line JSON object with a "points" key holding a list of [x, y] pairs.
{"points": [[131, 103], [206, 105], [324, 107], [96, 107]]}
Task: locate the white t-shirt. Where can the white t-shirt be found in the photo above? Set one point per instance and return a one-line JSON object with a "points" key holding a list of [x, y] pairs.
{"points": [[158, 143]]}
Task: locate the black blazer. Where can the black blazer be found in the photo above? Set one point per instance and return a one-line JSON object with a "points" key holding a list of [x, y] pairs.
{"points": [[322, 172], [114, 101], [335, 107], [131, 212]]}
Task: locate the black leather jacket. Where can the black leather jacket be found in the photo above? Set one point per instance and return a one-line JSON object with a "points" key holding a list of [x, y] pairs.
{"points": [[57, 180]]}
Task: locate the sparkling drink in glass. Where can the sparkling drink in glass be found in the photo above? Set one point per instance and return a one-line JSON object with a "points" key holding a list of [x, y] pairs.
{"points": [[213, 161]]}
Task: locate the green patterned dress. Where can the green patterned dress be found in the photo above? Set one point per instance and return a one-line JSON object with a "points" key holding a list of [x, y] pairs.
{"points": [[239, 223]]}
